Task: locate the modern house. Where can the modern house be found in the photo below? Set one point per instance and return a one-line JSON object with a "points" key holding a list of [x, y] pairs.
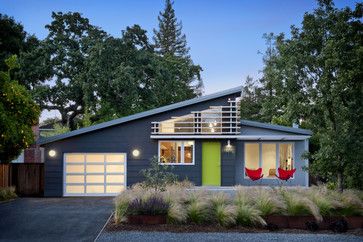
{"points": [[203, 138]]}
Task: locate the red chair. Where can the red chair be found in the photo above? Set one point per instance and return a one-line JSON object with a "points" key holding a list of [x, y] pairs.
{"points": [[254, 175], [285, 174]]}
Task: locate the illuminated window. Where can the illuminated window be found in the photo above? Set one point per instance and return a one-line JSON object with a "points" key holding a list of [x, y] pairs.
{"points": [[252, 156], [269, 156], [269, 160], [285, 157], [176, 152]]}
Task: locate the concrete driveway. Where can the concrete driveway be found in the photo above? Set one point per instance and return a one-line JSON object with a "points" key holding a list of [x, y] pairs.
{"points": [[53, 219]]}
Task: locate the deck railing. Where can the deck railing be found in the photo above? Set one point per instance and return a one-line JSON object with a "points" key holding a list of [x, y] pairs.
{"points": [[213, 121]]}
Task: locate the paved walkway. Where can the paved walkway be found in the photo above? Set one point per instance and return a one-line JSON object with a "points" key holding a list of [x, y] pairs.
{"points": [[53, 219], [136, 236]]}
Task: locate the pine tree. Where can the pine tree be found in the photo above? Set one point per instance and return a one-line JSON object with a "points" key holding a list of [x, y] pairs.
{"points": [[169, 39]]}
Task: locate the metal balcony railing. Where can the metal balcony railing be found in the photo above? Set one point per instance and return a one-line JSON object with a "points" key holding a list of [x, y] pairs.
{"points": [[217, 120]]}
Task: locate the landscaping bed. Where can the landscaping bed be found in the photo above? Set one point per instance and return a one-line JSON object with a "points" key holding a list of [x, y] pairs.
{"points": [[177, 209], [174, 228]]}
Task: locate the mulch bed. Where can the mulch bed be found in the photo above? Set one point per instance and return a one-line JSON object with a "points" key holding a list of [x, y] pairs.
{"points": [[111, 226]]}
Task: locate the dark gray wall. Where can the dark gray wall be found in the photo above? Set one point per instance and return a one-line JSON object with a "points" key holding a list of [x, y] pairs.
{"points": [[126, 137]]}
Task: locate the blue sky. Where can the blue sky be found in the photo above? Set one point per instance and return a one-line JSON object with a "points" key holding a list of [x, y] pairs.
{"points": [[224, 36]]}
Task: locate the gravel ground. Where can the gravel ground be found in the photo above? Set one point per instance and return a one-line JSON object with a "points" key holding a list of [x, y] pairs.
{"points": [[135, 236]]}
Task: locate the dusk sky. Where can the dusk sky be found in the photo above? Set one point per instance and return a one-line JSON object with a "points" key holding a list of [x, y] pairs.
{"points": [[224, 36]]}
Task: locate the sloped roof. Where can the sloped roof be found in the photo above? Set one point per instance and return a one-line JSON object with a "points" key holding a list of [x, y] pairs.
{"points": [[276, 127], [136, 116]]}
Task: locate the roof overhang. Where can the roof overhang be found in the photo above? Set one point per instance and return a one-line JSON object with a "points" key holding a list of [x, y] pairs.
{"points": [[291, 130], [238, 137], [155, 111]]}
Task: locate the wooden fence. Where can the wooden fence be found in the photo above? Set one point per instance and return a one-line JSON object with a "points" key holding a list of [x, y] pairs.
{"points": [[27, 178]]}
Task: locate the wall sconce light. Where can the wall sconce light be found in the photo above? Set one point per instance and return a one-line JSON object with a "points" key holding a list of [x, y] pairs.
{"points": [[136, 153], [229, 147], [52, 153]]}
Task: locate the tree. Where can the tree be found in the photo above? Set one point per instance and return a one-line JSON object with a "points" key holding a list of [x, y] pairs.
{"points": [[169, 39], [315, 76], [251, 100], [126, 76], [15, 41], [18, 113], [67, 45]]}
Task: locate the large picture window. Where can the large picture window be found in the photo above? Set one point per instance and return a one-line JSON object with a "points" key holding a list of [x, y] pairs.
{"points": [[269, 156], [176, 152]]}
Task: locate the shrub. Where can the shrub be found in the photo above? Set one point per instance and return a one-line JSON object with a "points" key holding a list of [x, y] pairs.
{"points": [[7, 193], [349, 203], [320, 196], [219, 198], [241, 196], [268, 202], [176, 213], [296, 204], [197, 212], [154, 205], [246, 215], [224, 215], [122, 202], [158, 176]]}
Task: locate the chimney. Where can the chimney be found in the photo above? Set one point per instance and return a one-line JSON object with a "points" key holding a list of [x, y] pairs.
{"points": [[33, 154]]}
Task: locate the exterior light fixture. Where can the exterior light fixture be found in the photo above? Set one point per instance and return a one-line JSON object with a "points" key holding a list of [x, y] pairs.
{"points": [[52, 153], [212, 130], [136, 153], [228, 147]]}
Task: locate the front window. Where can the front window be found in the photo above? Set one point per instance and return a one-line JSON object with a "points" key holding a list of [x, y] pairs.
{"points": [[176, 152], [269, 156]]}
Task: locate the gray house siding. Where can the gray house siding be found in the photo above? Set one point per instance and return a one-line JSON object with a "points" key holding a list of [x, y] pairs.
{"points": [[125, 137]]}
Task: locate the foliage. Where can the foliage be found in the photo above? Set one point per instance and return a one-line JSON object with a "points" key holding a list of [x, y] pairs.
{"points": [[169, 39], [13, 40], [296, 204], [251, 100], [197, 211], [7, 193], [158, 176], [267, 203], [246, 215], [247, 207], [67, 47], [225, 215], [58, 129], [92, 77], [313, 78], [18, 113], [153, 205]]}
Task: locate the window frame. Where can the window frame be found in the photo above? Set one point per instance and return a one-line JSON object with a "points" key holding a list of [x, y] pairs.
{"points": [[182, 162], [260, 157]]}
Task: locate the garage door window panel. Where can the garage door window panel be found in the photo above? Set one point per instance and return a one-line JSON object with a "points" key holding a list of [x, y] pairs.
{"points": [[94, 173]]}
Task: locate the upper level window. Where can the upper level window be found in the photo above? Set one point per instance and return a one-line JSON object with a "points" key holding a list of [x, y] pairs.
{"points": [[269, 156], [176, 152]]}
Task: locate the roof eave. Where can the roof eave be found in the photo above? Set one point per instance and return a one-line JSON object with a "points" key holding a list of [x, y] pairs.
{"points": [[43, 141], [276, 127]]}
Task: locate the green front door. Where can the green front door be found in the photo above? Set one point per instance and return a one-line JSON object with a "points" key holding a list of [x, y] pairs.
{"points": [[211, 163]]}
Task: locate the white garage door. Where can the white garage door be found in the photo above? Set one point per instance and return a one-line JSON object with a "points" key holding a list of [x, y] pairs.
{"points": [[94, 174]]}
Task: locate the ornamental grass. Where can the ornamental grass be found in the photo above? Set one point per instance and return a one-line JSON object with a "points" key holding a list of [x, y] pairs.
{"points": [[245, 206]]}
